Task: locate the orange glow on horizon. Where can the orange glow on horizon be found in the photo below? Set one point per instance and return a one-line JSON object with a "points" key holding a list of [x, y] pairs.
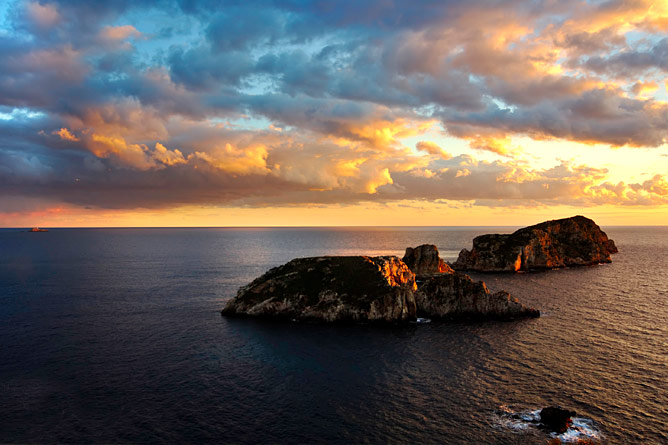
{"points": [[397, 214]]}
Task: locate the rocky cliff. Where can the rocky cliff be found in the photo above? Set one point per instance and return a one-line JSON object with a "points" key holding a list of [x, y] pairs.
{"points": [[575, 241], [456, 295], [425, 260], [370, 289], [331, 289]]}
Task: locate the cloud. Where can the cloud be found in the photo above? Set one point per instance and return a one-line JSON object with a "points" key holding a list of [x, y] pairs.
{"points": [[66, 135], [168, 157], [134, 155], [42, 15], [433, 149], [94, 91], [116, 33]]}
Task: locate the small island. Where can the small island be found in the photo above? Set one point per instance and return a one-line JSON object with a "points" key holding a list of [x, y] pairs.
{"points": [[568, 242], [360, 289]]}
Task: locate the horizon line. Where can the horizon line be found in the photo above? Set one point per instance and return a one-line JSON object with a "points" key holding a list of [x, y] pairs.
{"points": [[296, 227]]}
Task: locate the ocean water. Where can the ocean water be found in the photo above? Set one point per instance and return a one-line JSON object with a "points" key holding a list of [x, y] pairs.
{"points": [[115, 335]]}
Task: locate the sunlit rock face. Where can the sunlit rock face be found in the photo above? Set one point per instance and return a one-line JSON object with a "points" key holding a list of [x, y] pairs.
{"points": [[370, 289], [575, 241], [331, 289], [425, 260], [446, 294]]}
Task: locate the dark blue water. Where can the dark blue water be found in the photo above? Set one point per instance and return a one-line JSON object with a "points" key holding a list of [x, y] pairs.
{"points": [[114, 335]]}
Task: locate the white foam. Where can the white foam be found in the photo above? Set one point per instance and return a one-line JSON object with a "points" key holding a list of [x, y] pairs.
{"points": [[581, 429], [520, 421], [517, 421]]}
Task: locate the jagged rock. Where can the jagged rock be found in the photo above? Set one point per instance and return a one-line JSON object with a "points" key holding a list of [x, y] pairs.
{"points": [[368, 289], [575, 241], [556, 418], [331, 289], [424, 260], [456, 295]]}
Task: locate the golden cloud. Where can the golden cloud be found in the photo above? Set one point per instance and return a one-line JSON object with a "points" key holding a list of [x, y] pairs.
{"points": [[66, 135]]}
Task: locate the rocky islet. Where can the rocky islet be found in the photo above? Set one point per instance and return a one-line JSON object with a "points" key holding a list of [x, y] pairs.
{"points": [[568, 242], [372, 289]]}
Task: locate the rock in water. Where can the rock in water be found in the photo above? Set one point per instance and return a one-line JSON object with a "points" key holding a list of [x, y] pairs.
{"points": [[424, 260], [444, 293], [575, 241], [456, 295], [556, 418], [371, 289], [331, 289]]}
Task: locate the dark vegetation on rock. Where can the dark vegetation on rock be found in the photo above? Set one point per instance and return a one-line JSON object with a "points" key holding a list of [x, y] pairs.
{"points": [[575, 241], [330, 288], [371, 289]]}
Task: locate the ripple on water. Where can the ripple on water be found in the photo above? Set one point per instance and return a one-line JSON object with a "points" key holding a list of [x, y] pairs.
{"points": [[115, 336]]}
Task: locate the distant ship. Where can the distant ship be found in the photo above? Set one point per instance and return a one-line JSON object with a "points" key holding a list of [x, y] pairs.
{"points": [[37, 229]]}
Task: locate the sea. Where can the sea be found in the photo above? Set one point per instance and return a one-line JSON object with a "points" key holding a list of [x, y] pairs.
{"points": [[116, 336]]}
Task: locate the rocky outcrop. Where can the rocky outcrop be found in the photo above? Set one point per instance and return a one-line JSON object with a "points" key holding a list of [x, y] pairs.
{"points": [[456, 295], [556, 418], [331, 289], [575, 241], [425, 260], [370, 289]]}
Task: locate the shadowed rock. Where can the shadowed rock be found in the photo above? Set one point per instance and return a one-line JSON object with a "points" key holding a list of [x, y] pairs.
{"points": [[575, 241], [556, 418], [456, 295], [424, 260]]}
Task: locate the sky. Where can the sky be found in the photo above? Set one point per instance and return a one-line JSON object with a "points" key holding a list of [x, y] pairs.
{"points": [[326, 113]]}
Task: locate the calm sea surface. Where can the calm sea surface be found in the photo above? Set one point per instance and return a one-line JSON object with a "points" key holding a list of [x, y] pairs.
{"points": [[115, 335]]}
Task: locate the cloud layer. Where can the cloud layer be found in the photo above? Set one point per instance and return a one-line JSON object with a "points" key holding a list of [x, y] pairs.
{"points": [[122, 106]]}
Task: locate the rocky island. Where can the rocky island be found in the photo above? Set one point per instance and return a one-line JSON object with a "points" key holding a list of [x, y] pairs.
{"points": [[371, 289], [575, 241]]}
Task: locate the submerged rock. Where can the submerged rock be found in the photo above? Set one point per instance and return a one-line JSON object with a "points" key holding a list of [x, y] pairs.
{"points": [[575, 241], [556, 418], [331, 289], [370, 289], [425, 260]]}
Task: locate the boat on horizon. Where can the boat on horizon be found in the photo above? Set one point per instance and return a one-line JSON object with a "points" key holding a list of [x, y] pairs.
{"points": [[37, 229]]}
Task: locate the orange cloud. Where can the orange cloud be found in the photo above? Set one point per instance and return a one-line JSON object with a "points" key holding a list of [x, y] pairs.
{"points": [[379, 134], [167, 157], [644, 89], [133, 155], [235, 159], [433, 149], [66, 135], [118, 33], [499, 145]]}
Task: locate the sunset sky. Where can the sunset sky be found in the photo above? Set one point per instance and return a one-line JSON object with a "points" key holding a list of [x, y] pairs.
{"points": [[378, 112]]}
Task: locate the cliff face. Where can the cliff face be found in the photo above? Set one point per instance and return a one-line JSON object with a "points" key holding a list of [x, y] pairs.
{"points": [[425, 260], [370, 289], [331, 289], [456, 295], [575, 241]]}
